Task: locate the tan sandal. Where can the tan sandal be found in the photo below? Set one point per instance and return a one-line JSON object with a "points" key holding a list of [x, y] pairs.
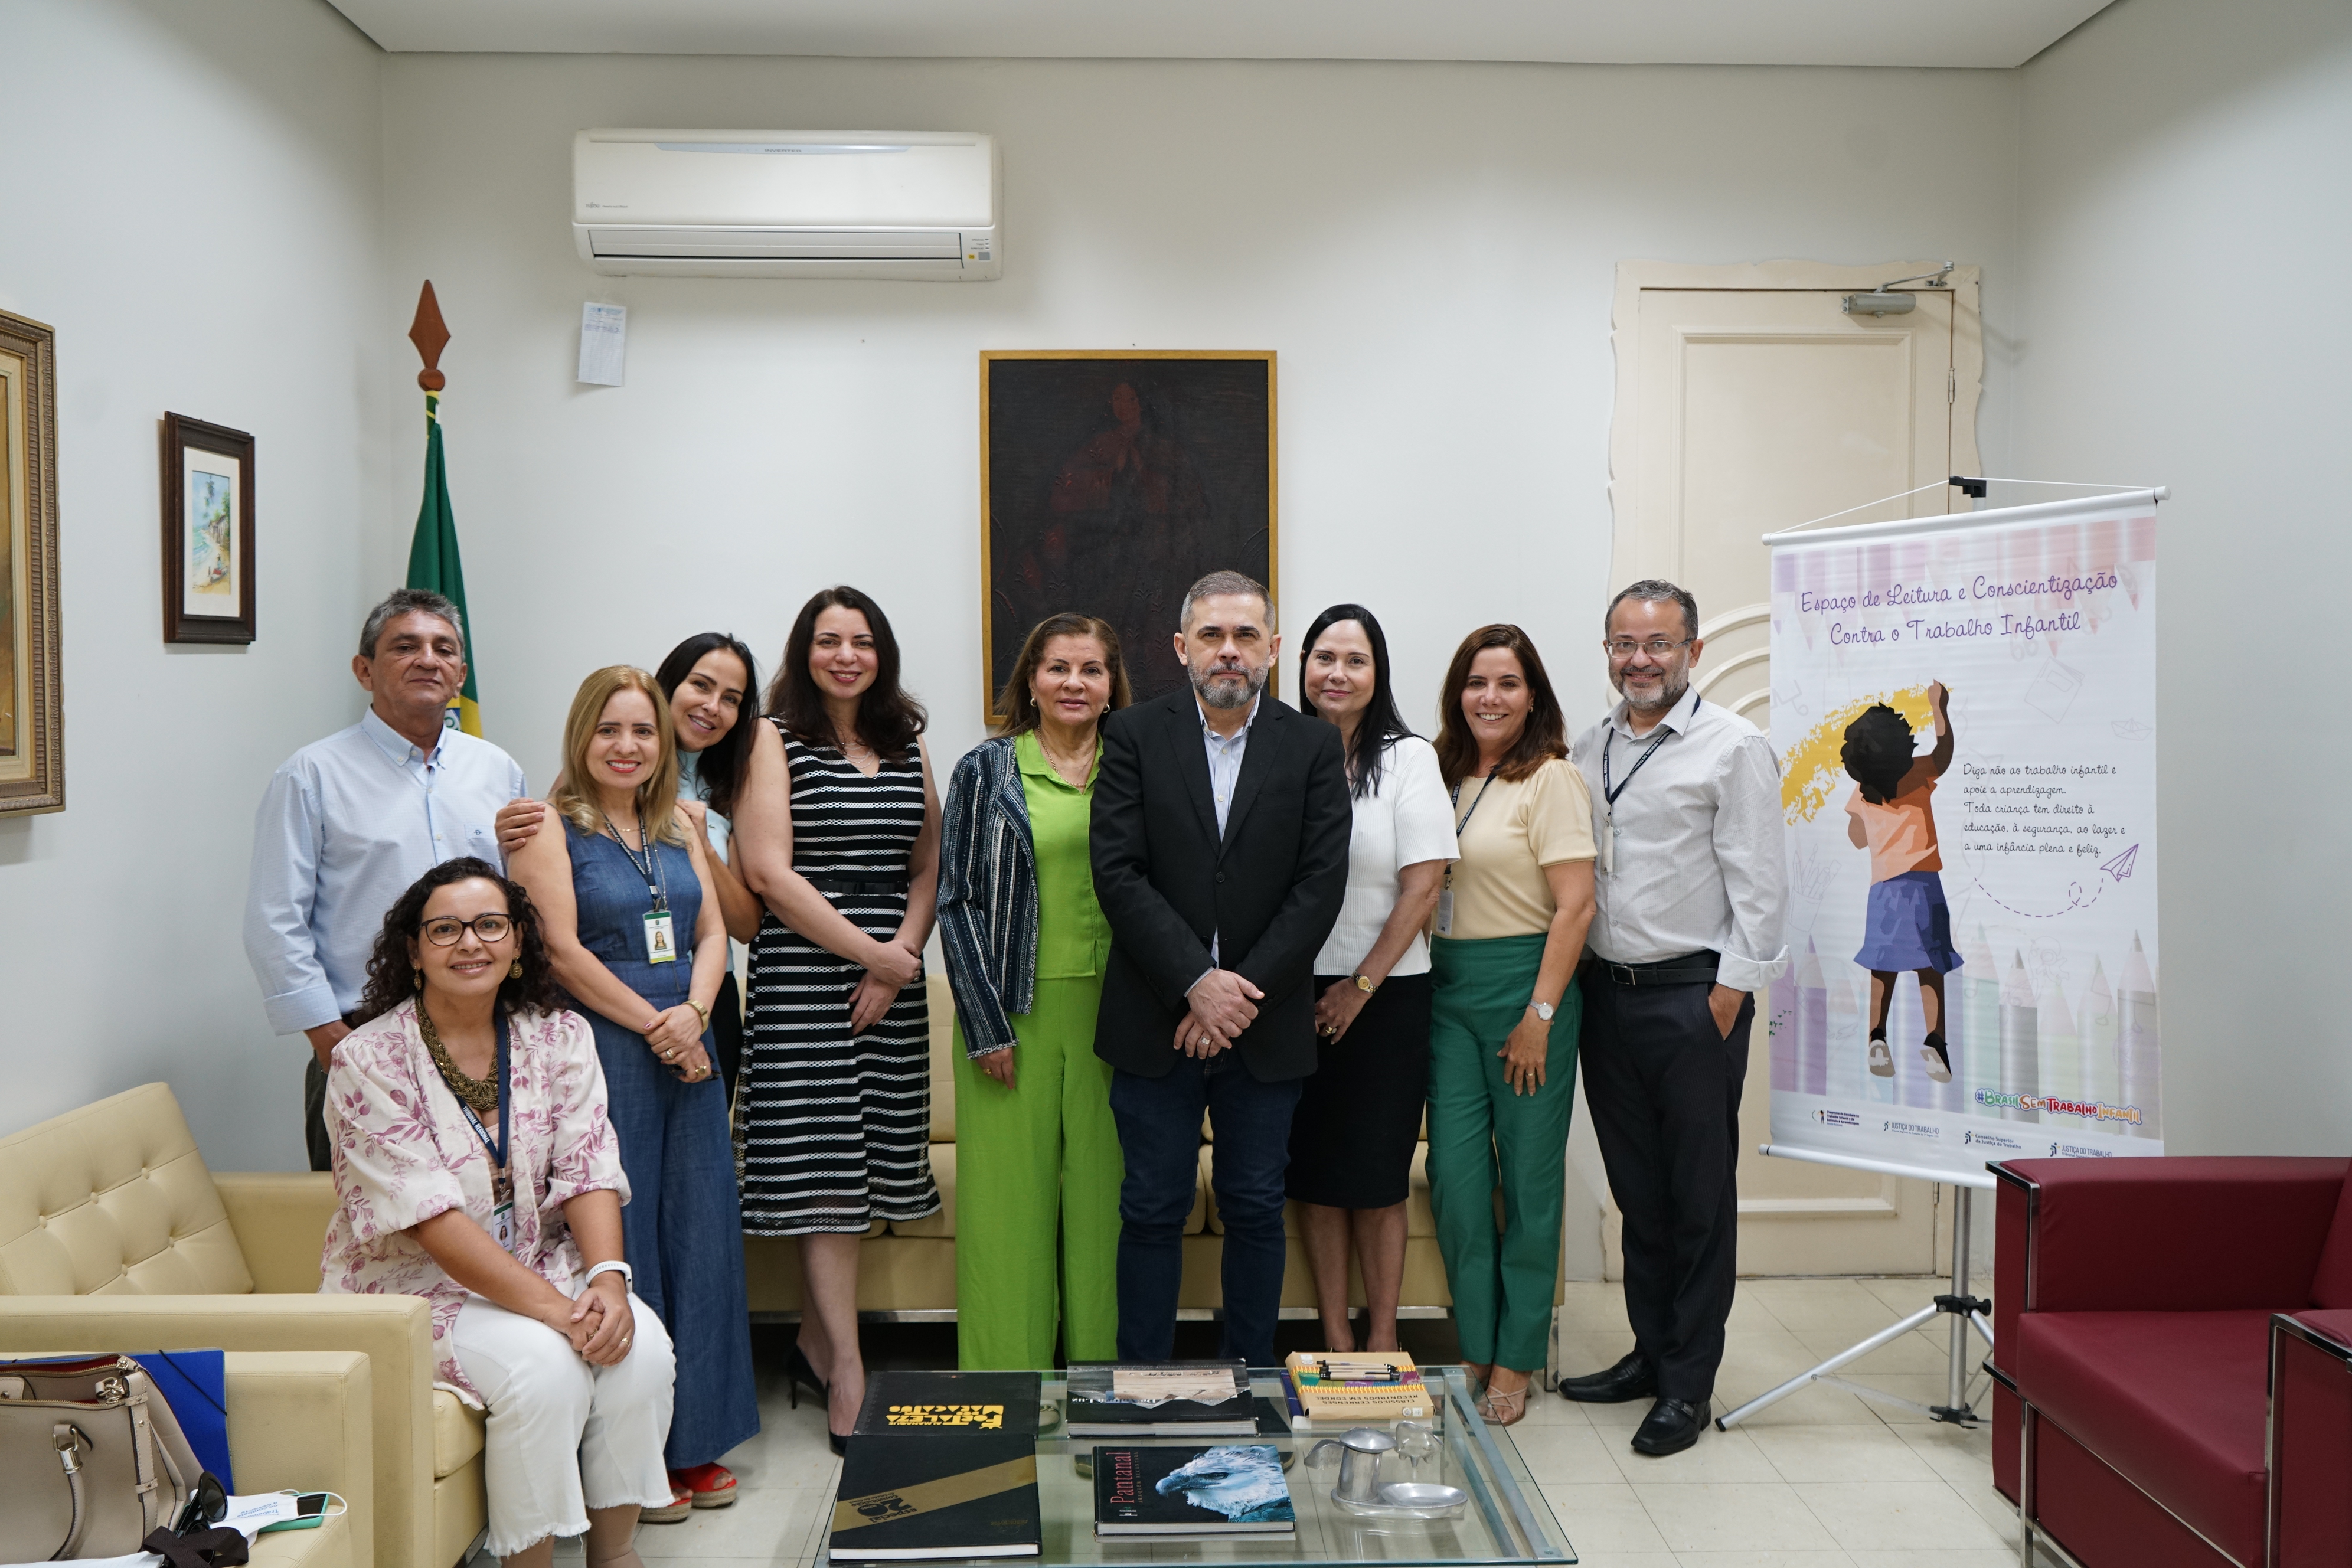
{"points": [[1504, 1407]]}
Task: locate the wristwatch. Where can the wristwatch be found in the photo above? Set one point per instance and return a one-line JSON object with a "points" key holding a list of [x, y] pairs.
{"points": [[1365, 983], [700, 1011], [612, 1265], [1542, 1010]]}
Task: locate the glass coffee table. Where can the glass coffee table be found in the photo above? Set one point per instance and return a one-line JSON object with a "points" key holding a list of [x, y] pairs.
{"points": [[1505, 1519]]}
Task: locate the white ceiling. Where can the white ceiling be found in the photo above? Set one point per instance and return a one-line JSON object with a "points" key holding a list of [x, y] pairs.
{"points": [[1986, 32]]}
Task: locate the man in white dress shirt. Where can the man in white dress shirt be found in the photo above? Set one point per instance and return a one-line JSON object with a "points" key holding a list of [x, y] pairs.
{"points": [[349, 822], [1689, 890]]}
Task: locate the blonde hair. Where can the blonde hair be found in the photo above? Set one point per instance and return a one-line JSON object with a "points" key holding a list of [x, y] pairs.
{"points": [[657, 796]]}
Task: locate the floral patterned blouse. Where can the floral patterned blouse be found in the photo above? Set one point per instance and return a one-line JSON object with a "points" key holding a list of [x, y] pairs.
{"points": [[405, 1152]]}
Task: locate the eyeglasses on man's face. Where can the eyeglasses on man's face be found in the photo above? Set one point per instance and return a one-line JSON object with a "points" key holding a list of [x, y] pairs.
{"points": [[1623, 648], [487, 929]]}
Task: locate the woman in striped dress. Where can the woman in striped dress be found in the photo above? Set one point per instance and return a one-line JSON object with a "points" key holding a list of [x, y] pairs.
{"points": [[838, 831]]}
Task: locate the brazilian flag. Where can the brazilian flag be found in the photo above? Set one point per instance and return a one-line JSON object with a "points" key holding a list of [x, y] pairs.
{"points": [[433, 561]]}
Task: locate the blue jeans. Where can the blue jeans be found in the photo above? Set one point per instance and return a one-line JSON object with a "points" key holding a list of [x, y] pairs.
{"points": [[1160, 1134]]}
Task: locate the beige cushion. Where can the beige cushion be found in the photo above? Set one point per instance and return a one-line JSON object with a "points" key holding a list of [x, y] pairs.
{"points": [[456, 1433], [113, 1199], [304, 1421]]}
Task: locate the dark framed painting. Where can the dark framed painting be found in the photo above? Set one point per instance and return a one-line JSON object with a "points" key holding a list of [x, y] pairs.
{"points": [[32, 692], [1109, 482], [207, 531]]}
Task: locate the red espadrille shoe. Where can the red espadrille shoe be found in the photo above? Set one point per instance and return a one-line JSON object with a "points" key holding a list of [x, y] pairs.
{"points": [[681, 1504], [711, 1486]]}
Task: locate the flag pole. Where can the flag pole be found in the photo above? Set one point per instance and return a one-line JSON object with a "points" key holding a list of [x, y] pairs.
{"points": [[433, 561]]}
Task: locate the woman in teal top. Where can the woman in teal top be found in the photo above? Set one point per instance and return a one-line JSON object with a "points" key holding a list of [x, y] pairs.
{"points": [[1037, 1160]]}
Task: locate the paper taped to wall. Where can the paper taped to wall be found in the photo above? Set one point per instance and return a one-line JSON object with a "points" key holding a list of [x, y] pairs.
{"points": [[603, 343]]}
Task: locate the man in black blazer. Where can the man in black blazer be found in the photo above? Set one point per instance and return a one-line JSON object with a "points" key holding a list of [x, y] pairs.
{"points": [[1220, 850]]}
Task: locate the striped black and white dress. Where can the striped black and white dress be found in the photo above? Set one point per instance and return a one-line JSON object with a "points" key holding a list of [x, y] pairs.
{"points": [[833, 1133]]}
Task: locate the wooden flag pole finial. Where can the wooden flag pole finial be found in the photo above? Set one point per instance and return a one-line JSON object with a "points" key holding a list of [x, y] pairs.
{"points": [[431, 335]]}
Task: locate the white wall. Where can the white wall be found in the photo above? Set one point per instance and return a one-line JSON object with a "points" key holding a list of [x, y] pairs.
{"points": [[2185, 229], [190, 197], [1429, 248]]}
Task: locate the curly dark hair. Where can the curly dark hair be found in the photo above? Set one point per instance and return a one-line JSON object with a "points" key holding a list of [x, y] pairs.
{"points": [[1878, 751], [392, 979]]}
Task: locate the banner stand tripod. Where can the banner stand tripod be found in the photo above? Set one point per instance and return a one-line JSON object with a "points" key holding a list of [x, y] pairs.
{"points": [[1966, 1313]]}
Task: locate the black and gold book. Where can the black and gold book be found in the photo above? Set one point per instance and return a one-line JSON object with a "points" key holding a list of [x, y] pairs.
{"points": [[939, 1494], [903, 1404]]}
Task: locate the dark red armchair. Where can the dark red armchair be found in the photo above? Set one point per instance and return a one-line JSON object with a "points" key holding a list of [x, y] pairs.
{"points": [[2172, 1359]]}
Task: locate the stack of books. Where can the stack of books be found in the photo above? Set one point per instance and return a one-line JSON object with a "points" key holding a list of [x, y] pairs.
{"points": [[941, 1465], [1332, 1388], [1164, 1399]]}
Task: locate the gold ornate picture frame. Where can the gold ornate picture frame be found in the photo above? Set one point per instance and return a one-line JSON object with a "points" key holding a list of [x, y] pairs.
{"points": [[1110, 481], [32, 692]]}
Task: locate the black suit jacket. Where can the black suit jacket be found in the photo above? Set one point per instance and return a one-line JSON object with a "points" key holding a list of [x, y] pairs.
{"points": [[1269, 891]]}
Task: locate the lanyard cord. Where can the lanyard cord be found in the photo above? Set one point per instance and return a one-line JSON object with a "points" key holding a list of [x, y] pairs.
{"points": [[657, 881], [498, 1150], [1609, 795], [1474, 804]]}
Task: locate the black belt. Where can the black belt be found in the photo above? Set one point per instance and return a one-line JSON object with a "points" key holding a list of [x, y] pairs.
{"points": [[844, 885], [1690, 969]]}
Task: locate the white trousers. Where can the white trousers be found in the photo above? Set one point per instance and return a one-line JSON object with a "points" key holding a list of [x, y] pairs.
{"points": [[565, 1436]]}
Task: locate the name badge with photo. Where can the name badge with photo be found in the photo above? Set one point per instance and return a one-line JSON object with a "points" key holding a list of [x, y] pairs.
{"points": [[661, 937]]}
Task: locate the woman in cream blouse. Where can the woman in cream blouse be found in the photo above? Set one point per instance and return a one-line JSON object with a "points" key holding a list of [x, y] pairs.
{"points": [[1509, 928]]}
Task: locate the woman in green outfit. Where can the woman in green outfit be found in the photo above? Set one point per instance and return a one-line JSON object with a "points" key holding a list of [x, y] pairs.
{"points": [[1502, 1044], [1037, 1159]]}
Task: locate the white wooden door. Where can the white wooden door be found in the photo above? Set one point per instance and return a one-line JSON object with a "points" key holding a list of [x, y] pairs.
{"points": [[1749, 401]]}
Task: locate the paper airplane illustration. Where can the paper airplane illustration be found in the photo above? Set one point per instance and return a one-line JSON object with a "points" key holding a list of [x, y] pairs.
{"points": [[2121, 866]]}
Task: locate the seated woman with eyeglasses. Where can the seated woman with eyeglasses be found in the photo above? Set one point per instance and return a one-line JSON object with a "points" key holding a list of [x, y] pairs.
{"points": [[476, 1167]]}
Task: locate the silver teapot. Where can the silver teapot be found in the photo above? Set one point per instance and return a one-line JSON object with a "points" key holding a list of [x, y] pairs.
{"points": [[1361, 1491]]}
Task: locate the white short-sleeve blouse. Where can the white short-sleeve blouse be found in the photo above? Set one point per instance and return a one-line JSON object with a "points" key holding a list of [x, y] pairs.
{"points": [[1405, 821]]}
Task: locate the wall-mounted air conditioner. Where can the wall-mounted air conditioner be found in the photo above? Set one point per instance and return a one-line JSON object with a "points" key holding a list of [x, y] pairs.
{"points": [[787, 204]]}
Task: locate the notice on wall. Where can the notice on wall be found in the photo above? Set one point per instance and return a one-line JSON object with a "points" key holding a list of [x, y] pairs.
{"points": [[1972, 926], [603, 344]]}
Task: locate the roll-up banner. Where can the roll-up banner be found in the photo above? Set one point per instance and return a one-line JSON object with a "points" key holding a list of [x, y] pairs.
{"points": [[1972, 922]]}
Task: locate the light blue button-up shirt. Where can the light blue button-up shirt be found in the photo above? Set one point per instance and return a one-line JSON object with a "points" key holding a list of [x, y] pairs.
{"points": [[1225, 771], [346, 825]]}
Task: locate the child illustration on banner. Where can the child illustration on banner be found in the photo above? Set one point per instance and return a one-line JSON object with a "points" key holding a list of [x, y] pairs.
{"points": [[1908, 925]]}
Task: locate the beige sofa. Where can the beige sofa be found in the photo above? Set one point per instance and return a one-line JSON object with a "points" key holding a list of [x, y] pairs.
{"points": [[114, 1236], [910, 1269]]}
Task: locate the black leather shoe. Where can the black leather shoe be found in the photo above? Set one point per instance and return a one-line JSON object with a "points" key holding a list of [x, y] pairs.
{"points": [[1629, 1379], [840, 1444], [1672, 1425]]}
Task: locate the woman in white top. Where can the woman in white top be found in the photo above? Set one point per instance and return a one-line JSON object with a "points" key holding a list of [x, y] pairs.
{"points": [[1352, 1136]]}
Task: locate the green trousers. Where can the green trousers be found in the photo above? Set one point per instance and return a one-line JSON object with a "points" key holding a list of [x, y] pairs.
{"points": [[1481, 1135], [1037, 1176]]}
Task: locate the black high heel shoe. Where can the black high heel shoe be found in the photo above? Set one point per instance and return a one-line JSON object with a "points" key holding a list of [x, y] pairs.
{"points": [[799, 1375]]}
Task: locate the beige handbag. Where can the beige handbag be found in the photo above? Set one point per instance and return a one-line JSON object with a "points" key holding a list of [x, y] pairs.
{"points": [[91, 1458]]}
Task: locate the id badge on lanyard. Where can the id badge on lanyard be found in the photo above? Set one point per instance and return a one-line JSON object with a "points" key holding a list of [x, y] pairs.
{"points": [[1445, 893], [661, 937], [502, 1151]]}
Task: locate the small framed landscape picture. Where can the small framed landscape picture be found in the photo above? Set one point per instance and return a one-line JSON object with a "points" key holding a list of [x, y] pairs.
{"points": [[207, 532]]}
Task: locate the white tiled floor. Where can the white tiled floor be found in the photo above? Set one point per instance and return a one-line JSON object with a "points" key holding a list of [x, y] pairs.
{"points": [[1823, 1479]]}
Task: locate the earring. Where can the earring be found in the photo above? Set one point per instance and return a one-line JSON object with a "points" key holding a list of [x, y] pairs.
{"points": [[514, 970], [416, 978]]}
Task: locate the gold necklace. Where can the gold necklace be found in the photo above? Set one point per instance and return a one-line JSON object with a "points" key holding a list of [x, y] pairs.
{"points": [[481, 1093], [1061, 766]]}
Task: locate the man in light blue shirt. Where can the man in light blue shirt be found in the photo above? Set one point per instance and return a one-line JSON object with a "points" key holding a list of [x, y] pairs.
{"points": [[348, 823]]}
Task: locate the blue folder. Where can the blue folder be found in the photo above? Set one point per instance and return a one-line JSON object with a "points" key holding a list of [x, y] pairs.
{"points": [[194, 1384]]}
